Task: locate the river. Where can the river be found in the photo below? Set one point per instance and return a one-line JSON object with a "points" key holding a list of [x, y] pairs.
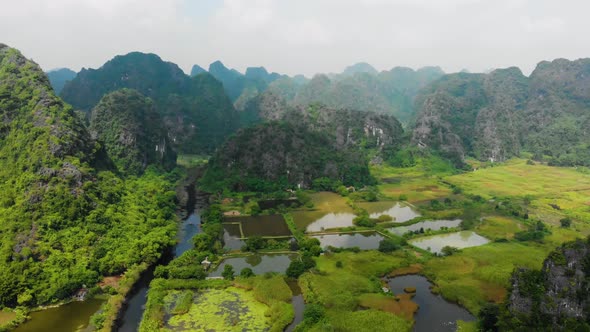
{"points": [[133, 311]]}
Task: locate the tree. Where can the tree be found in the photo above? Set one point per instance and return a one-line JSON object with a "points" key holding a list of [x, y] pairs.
{"points": [[255, 243], [488, 317], [246, 272], [448, 250], [228, 272], [295, 269], [388, 245]]}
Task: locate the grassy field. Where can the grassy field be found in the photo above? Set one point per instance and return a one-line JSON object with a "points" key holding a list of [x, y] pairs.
{"points": [[191, 160], [566, 188], [414, 183], [478, 275], [499, 227], [342, 287]]}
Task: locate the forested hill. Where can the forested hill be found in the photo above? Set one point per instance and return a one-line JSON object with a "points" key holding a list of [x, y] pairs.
{"points": [[197, 113], [132, 132], [64, 224], [305, 144], [497, 115]]}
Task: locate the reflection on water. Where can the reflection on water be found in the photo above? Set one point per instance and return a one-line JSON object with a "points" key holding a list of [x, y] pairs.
{"points": [[331, 220], [231, 237], [434, 225], [66, 318], [459, 240], [434, 313], [259, 264], [400, 212], [365, 241]]}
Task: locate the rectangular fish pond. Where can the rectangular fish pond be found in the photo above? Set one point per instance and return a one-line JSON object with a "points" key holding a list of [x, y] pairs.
{"points": [[463, 239], [273, 225], [365, 241], [434, 225]]}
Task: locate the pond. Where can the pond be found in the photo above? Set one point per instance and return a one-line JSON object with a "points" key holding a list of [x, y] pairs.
{"points": [[459, 240], [68, 317], [365, 241], [330, 210], [259, 264], [434, 225], [231, 237], [400, 212], [273, 225], [434, 313]]}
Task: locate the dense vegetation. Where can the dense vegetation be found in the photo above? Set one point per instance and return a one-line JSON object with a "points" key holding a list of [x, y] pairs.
{"points": [[196, 112], [495, 116], [64, 224]]}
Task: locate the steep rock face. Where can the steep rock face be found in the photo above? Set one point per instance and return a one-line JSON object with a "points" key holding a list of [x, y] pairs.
{"points": [[280, 155], [557, 295], [350, 129], [197, 113], [59, 77], [493, 116], [132, 132], [297, 145]]}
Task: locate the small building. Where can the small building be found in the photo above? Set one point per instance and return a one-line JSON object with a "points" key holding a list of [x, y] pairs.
{"points": [[206, 263]]}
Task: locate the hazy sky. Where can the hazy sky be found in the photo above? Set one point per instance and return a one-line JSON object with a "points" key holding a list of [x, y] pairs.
{"points": [[300, 36]]}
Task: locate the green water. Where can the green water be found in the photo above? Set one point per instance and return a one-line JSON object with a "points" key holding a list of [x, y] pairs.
{"points": [[70, 317]]}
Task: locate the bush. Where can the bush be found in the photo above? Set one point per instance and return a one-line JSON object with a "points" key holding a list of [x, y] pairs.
{"points": [[363, 220], [339, 264], [385, 218], [388, 245], [255, 243], [448, 250], [228, 272], [565, 222], [246, 272], [313, 313], [488, 318], [295, 269], [403, 197]]}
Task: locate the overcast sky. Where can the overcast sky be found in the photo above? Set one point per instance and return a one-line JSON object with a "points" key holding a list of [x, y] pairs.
{"points": [[300, 36]]}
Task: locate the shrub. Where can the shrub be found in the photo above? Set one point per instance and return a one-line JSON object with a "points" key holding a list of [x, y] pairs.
{"points": [[313, 313], [565, 222], [228, 272], [339, 264], [388, 245], [246, 272], [295, 269]]}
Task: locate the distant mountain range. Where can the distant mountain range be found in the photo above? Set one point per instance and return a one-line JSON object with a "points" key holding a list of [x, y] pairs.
{"points": [[59, 77], [495, 116]]}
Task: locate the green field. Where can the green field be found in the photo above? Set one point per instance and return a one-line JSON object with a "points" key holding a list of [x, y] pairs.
{"points": [[341, 290], [323, 203], [567, 188]]}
